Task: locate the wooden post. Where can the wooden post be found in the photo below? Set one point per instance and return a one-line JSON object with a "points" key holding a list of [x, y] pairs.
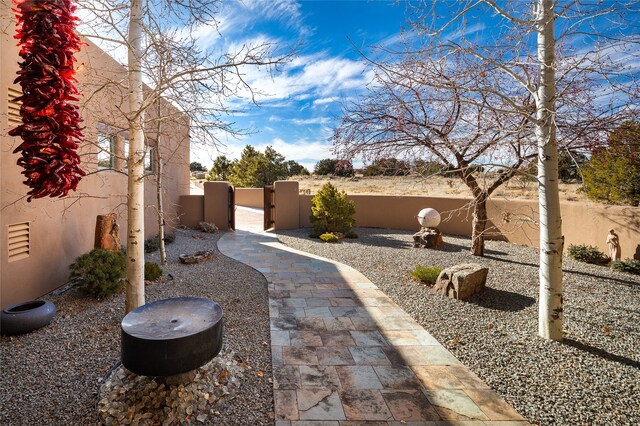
{"points": [[107, 232]]}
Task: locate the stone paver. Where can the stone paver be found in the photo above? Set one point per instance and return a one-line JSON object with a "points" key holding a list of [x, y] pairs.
{"points": [[345, 354]]}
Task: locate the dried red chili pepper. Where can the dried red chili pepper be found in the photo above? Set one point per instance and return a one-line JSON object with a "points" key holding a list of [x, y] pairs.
{"points": [[51, 123]]}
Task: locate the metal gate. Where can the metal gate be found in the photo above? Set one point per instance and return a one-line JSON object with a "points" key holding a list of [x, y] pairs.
{"points": [[269, 207], [232, 209]]}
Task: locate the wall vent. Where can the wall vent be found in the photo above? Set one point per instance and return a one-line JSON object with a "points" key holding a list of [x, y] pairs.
{"points": [[18, 241], [13, 106]]}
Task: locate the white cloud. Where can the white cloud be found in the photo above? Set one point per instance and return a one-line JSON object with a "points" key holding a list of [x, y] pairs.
{"points": [[315, 120], [324, 101], [285, 11], [310, 76], [465, 31], [304, 151]]}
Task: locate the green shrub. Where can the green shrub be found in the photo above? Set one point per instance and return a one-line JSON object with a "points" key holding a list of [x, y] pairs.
{"points": [[99, 273], [612, 174], [426, 274], [152, 244], [152, 271], [325, 167], [329, 237], [331, 211], [350, 234], [631, 266], [587, 254]]}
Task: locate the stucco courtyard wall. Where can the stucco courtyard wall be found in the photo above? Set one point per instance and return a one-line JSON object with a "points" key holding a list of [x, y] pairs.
{"points": [[515, 221], [249, 197], [62, 229]]}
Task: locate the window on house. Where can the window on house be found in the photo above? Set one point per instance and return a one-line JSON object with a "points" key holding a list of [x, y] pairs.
{"points": [[148, 160], [106, 149]]}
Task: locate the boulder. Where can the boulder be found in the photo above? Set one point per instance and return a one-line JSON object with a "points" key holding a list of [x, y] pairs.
{"points": [[427, 238], [197, 257], [210, 228], [461, 281]]}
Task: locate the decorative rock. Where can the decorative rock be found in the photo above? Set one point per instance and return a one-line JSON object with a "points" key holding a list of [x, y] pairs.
{"points": [[427, 238], [197, 257], [428, 218], [210, 228], [461, 281], [124, 393]]}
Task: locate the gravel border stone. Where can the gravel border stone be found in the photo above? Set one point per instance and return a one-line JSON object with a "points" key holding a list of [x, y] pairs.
{"points": [[53, 375], [593, 377]]}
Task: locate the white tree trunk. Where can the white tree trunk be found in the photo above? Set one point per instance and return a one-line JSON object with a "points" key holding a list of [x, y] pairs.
{"points": [[551, 240], [160, 171], [135, 165]]}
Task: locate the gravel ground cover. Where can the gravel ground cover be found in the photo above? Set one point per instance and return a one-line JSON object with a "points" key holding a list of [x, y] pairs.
{"points": [[592, 378], [52, 376]]}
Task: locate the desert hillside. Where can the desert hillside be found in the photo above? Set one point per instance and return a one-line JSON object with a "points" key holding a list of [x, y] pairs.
{"points": [[437, 186]]}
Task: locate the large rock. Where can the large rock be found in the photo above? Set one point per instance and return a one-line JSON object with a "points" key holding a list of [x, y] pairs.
{"points": [[461, 281], [197, 257], [427, 238]]}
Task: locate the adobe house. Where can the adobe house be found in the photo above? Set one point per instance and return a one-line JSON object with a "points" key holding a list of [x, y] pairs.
{"points": [[38, 240]]}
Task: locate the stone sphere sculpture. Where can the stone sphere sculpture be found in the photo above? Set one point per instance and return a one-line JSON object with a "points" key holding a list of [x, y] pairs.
{"points": [[429, 218]]}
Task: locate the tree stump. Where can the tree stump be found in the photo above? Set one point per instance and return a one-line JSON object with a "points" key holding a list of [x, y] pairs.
{"points": [[107, 232], [427, 238]]}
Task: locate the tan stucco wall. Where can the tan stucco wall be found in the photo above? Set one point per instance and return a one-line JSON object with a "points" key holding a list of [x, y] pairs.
{"points": [[216, 204], [385, 211], [250, 197], [62, 229], [191, 211], [582, 223], [510, 220], [287, 205]]}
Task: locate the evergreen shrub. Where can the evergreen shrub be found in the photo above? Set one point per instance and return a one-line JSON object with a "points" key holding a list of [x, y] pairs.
{"points": [[152, 271], [331, 211], [426, 274], [99, 273], [588, 254], [632, 266]]}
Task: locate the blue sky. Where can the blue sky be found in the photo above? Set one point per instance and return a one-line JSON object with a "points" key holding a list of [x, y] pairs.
{"points": [[300, 105]]}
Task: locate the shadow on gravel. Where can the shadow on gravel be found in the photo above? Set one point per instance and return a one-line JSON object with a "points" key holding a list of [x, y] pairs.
{"points": [[502, 300], [601, 353], [608, 278], [384, 238], [456, 248], [570, 271]]}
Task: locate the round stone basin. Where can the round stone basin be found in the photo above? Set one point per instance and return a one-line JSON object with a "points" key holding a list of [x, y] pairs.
{"points": [[171, 336]]}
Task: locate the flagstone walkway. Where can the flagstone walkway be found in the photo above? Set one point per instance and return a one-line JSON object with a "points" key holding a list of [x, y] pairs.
{"points": [[345, 354]]}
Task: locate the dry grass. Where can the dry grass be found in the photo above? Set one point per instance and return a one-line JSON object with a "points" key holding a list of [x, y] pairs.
{"points": [[436, 186]]}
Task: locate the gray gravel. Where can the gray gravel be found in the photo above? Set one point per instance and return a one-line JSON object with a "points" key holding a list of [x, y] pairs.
{"points": [[592, 378], [52, 376]]}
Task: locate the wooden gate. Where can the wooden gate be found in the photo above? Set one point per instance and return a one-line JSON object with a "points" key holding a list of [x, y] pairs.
{"points": [[269, 207], [232, 209]]}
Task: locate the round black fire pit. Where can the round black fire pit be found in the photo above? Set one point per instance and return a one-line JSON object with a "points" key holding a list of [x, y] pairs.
{"points": [[171, 336]]}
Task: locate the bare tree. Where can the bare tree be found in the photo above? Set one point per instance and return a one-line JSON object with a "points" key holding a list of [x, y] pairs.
{"points": [[167, 61], [419, 107], [566, 68]]}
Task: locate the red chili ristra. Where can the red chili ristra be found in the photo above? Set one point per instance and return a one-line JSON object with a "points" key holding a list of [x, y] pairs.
{"points": [[51, 123]]}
